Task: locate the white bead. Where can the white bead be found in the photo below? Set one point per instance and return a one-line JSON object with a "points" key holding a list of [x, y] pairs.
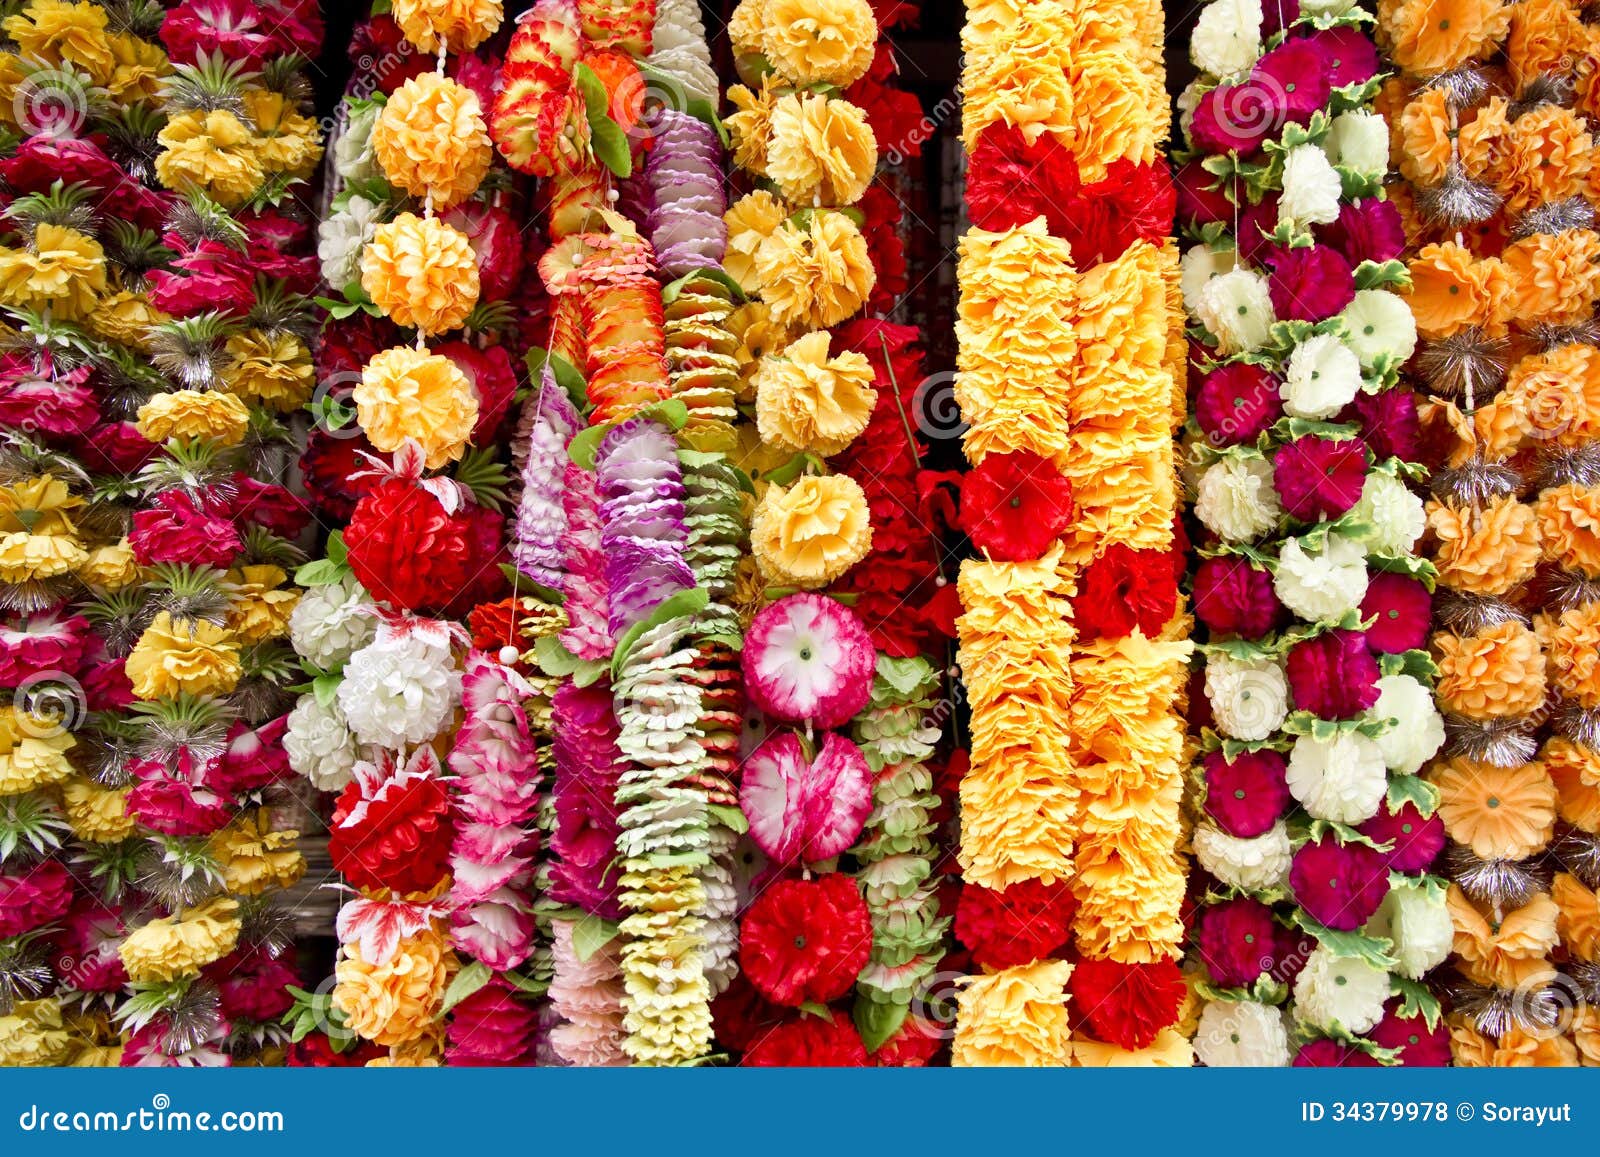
{"points": [[509, 654]]}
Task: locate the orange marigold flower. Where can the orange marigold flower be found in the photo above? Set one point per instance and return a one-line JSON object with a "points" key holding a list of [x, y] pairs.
{"points": [[1551, 158], [1555, 277], [1572, 650], [1424, 144], [421, 272], [1498, 672], [1501, 813], [1569, 521], [1430, 36], [1484, 550], [430, 140], [1452, 290]]}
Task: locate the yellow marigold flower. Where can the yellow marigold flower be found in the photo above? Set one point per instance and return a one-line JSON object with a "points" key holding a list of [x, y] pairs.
{"points": [[421, 272], [32, 1034], [817, 274], [194, 414], [809, 533], [1569, 524], [177, 946], [1498, 812], [822, 151], [750, 221], [125, 318], [37, 538], [1496, 673], [33, 750], [806, 400], [461, 24], [819, 41], [1017, 1016], [1486, 550], [191, 656], [286, 140], [394, 1002], [28, 557], [273, 370], [758, 335], [253, 861], [54, 31], [409, 393], [431, 140], [750, 128], [261, 609], [11, 79], [744, 28], [64, 270], [1571, 642], [213, 152], [97, 814], [139, 69], [110, 567]]}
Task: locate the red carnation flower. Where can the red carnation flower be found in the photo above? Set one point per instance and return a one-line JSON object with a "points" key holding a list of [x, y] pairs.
{"points": [[496, 242], [894, 114], [1414, 842], [116, 448], [1320, 477], [912, 1046], [1334, 675], [490, 372], [493, 625], [1202, 196], [1389, 423], [398, 839], [1296, 73], [741, 1016], [1329, 1054], [1124, 589], [1234, 597], [1248, 794], [1237, 402], [1367, 230], [1010, 182], [316, 1051], [256, 993], [1339, 885], [326, 465], [1132, 203], [34, 897], [1238, 941], [809, 1042], [174, 808], [1400, 609], [1419, 1046], [408, 551], [178, 530], [1013, 506], [268, 505], [887, 250], [1348, 55], [208, 277], [1309, 284], [806, 940], [1023, 923], [1127, 1004]]}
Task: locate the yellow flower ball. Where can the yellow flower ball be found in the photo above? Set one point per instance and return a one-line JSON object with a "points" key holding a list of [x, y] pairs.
{"points": [[461, 25], [394, 1002], [817, 274], [33, 1035], [194, 414], [809, 533], [822, 151], [64, 271], [421, 272], [806, 400], [61, 31], [253, 861], [110, 568], [409, 393], [26, 558], [285, 139], [33, 750], [261, 608], [139, 69], [174, 657], [213, 152], [750, 221], [431, 139], [126, 319], [819, 41], [176, 946], [97, 815], [272, 370]]}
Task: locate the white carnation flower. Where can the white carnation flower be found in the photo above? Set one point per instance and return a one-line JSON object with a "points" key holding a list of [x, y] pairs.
{"points": [[1321, 586], [1340, 779], [1241, 1034], [343, 236], [1323, 377], [1418, 729], [330, 623], [1359, 140], [320, 744], [1235, 498], [1310, 189], [1227, 37], [678, 50], [1237, 308], [1396, 515], [1199, 266], [399, 692], [1249, 697], [1419, 924], [353, 155], [1252, 865], [1377, 323], [1340, 991]]}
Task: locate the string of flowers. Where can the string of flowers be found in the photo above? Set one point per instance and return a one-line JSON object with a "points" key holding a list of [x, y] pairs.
{"points": [[1502, 244]]}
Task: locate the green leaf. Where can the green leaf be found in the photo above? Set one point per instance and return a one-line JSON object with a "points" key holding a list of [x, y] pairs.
{"points": [[877, 1022], [1416, 1000], [1418, 664], [522, 584], [559, 663], [788, 472], [325, 687], [585, 444], [675, 606], [591, 934], [715, 276], [908, 676], [473, 976], [1375, 950], [565, 373], [611, 147], [1384, 275], [531, 985], [1415, 790], [816, 1008], [729, 817], [319, 573]]}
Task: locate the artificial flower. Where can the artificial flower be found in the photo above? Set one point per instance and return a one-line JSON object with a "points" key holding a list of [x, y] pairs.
{"points": [[1241, 1033], [816, 41], [457, 25], [1249, 697], [1333, 675], [213, 152], [1340, 992], [1254, 864], [810, 532], [1340, 885], [805, 940], [808, 401], [183, 656], [1245, 795], [1416, 728], [1323, 585], [808, 659], [431, 140], [1418, 923], [175, 946], [1237, 402], [410, 394], [398, 692], [1310, 193], [421, 273], [1495, 673], [1126, 590], [820, 150], [1500, 813], [194, 414], [1236, 941], [816, 274], [1237, 308], [1340, 779], [395, 1001], [1236, 499]]}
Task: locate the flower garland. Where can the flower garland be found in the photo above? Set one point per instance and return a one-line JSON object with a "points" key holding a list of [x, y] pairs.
{"points": [[1501, 236], [1316, 831], [1067, 350]]}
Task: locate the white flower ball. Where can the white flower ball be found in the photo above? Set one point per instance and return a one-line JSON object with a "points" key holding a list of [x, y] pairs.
{"points": [[353, 155], [1396, 515], [1198, 267], [1249, 698], [1418, 729], [1241, 1034], [1359, 140], [1321, 586], [1379, 323], [1226, 37], [330, 623], [1340, 991], [399, 692], [343, 236], [1323, 377], [1237, 309], [1419, 924], [1236, 499], [1252, 865], [320, 744], [1311, 189], [1340, 779]]}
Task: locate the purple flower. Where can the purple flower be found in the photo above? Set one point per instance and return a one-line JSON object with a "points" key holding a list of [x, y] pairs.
{"points": [[1348, 56], [1389, 423], [1414, 842], [1399, 608], [1320, 477], [1237, 941], [1339, 885], [1310, 283], [1367, 230], [1334, 675]]}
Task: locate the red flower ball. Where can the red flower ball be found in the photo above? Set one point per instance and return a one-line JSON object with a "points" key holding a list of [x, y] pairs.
{"points": [[1127, 1004], [1247, 795], [1236, 403], [1401, 610], [402, 840], [177, 530], [1320, 477], [1419, 1046], [1414, 842], [34, 897], [1309, 284], [1013, 506], [806, 940], [809, 1042], [1125, 589], [1339, 885], [1389, 423], [1330, 1054], [1238, 942], [1232, 596], [326, 465], [1334, 675], [1202, 196], [407, 551], [1023, 923]]}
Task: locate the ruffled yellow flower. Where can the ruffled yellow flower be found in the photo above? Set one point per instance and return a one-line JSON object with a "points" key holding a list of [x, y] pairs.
{"points": [[261, 608], [1503, 948], [1571, 642], [817, 274], [33, 1034], [1578, 922], [421, 272], [757, 336], [822, 151], [407, 393], [1485, 550], [33, 750], [213, 152], [430, 139], [1576, 773], [98, 815], [1499, 812], [1569, 526], [666, 997], [750, 221], [38, 540], [110, 568], [744, 27], [750, 125], [1495, 673], [1019, 73], [139, 69], [393, 1002], [56, 31], [1170, 1050], [809, 533], [272, 370], [125, 319], [461, 24], [175, 946], [195, 414], [191, 656], [1015, 1017], [64, 271], [254, 862], [819, 41], [286, 140], [806, 400]]}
